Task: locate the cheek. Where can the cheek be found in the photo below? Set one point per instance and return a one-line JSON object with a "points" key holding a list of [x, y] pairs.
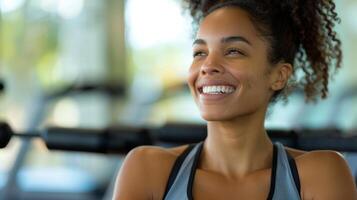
{"points": [[192, 76], [250, 80], [257, 86], [244, 77]]}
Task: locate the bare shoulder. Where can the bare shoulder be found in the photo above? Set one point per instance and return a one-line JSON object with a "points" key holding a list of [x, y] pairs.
{"points": [[144, 172], [324, 160], [153, 152], [324, 174], [295, 153], [155, 156]]}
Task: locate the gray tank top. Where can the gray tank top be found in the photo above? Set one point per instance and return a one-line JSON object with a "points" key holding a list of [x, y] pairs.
{"points": [[285, 183]]}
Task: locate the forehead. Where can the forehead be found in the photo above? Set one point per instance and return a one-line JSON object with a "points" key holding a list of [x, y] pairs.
{"points": [[227, 21]]}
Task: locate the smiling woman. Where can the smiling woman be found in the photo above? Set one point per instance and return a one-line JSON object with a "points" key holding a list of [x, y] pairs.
{"points": [[244, 57]]}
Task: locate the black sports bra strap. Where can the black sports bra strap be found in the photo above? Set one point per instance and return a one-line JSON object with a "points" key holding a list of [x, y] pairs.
{"points": [[176, 167], [193, 170], [273, 172], [294, 172]]}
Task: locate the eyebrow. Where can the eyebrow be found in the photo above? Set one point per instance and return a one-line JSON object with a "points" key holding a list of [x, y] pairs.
{"points": [[235, 39], [199, 41], [225, 40]]}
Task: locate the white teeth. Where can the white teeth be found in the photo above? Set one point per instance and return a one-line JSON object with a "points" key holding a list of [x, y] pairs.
{"points": [[217, 89]]}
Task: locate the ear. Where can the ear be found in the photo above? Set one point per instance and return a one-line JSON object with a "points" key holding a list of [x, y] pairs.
{"points": [[280, 75]]}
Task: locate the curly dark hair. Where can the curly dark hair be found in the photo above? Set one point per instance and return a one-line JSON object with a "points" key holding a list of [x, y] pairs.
{"points": [[300, 32]]}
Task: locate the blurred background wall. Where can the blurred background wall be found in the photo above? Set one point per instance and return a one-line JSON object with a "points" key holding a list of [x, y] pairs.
{"points": [[141, 46]]}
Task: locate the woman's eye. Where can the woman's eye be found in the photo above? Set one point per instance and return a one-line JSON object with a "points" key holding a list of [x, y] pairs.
{"points": [[234, 52], [199, 53]]}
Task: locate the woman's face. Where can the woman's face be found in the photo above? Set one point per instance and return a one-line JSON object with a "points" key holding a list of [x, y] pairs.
{"points": [[230, 73]]}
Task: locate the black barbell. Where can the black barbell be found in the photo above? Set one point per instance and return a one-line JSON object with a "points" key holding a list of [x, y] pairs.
{"points": [[115, 140], [122, 139]]}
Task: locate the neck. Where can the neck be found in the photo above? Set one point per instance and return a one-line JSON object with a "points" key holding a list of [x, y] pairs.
{"points": [[236, 148]]}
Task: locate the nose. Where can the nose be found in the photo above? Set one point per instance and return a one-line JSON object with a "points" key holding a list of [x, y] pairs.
{"points": [[211, 66]]}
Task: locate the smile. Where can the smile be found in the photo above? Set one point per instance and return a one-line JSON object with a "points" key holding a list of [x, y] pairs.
{"points": [[217, 89]]}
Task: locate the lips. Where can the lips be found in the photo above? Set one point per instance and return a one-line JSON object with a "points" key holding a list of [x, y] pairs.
{"points": [[214, 90], [217, 89]]}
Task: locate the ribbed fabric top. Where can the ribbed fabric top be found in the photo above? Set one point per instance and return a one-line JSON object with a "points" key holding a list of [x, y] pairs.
{"points": [[285, 183]]}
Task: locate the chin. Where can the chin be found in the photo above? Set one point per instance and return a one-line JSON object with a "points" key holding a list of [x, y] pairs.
{"points": [[215, 116]]}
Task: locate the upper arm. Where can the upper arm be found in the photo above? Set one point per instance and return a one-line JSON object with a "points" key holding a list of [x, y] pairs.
{"points": [[331, 177], [133, 181]]}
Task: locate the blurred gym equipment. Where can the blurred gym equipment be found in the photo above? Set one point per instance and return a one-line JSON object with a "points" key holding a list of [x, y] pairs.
{"points": [[38, 112], [2, 86], [122, 139]]}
